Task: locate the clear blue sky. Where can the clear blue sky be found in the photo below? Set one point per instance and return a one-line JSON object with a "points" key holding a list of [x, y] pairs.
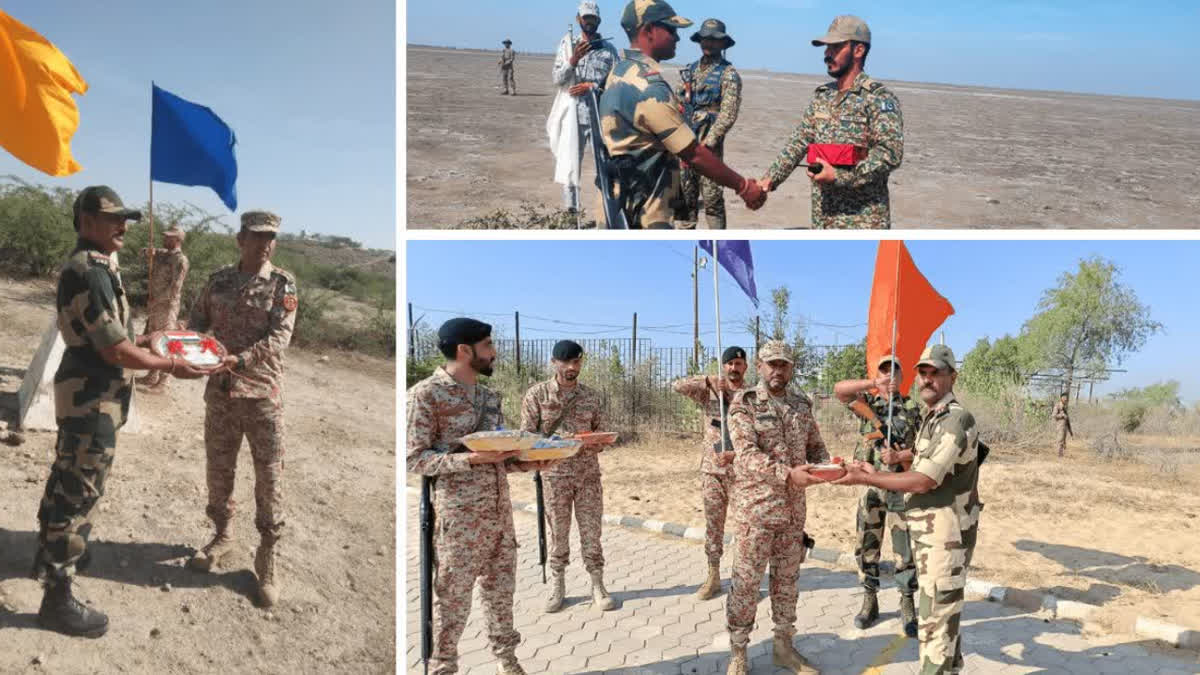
{"points": [[994, 287], [1125, 48], [307, 85]]}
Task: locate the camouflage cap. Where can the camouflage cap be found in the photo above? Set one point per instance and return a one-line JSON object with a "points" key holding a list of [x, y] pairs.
{"points": [[101, 199], [938, 356], [715, 29], [260, 221], [638, 13], [588, 8], [174, 231], [886, 358], [775, 350], [845, 28], [506, 42]]}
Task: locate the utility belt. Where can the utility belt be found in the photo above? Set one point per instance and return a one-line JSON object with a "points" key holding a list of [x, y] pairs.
{"points": [[636, 185]]}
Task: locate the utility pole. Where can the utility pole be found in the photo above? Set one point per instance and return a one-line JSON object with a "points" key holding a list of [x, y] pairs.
{"points": [[517, 319], [412, 347], [696, 308]]}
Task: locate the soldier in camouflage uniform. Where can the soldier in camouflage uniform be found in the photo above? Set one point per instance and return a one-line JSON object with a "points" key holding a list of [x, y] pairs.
{"points": [[716, 474], [508, 74], [91, 399], [170, 268], [711, 90], [775, 439], [941, 508], [1062, 422], [474, 534], [854, 110], [644, 130], [250, 308], [875, 503], [563, 406]]}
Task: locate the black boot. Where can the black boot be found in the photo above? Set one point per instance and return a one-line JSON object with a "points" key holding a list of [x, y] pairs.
{"points": [[908, 615], [62, 613], [870, 610]]}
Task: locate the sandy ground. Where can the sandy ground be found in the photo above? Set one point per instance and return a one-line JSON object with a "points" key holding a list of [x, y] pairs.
{"points": [[974, 157], [337, 613]]}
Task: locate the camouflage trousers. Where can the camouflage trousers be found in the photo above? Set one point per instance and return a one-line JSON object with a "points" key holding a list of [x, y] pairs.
{"points": [[508, 79], [260, 421], [167, 319], [943, 541], [715, 489], [1062, 437], [470, 549], [754, 547], [695, 188], [586, 495], [659, 209], [872, 514]]}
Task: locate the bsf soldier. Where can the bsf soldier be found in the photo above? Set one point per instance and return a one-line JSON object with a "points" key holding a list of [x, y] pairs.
{"points": [[644, 130], [941, 507], [250, 307], [711, 90], [471, 494], [775, 440], [856, 111], [91, 400], [169, 270], [564, 406], [875, 503], [716, 474], [508, 76], [1062, 421]]}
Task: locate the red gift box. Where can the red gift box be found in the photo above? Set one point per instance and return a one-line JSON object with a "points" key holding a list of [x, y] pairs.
{"points": [[837, 154]]}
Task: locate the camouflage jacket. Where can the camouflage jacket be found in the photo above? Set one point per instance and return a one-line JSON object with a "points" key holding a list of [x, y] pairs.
{"points": [[770, 436], [253, 316], [507, 58], [867, 115], [696, 389], [93, 314], [542, 407], [906, 416], [170, 271], [1060, 411], [947, 451], [723, 111]]}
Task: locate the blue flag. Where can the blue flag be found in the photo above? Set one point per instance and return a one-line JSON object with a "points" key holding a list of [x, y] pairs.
{"points": [[190, 145], [734, 256]]}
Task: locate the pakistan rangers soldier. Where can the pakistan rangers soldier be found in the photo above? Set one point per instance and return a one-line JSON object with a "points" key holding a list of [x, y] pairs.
{"points": [[941, 507], [716, 474], [250, 307], [474, 535], [776, 440], [643, 127], [863, 117], [711, 90], [875, 503], [169, 270], [564, 406], [508, 76], [1062, 421], [92, 395]]}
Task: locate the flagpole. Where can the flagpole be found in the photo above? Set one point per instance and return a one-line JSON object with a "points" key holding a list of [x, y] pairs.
{"points": [[895, 321], [717, 303]]}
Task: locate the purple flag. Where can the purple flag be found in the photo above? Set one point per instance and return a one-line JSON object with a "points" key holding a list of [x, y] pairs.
{"points": [[734, 256]]}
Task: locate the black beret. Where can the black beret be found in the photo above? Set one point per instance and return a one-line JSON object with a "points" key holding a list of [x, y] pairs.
{"points": [[732, 353], [567, 350], [462, 331]]}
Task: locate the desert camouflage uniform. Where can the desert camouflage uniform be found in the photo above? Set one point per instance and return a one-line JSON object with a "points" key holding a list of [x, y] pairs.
{"points": [[91, 401], [868, 116], [770, 436], [253, 315], [508, 73], [575, 482], [943, 525], [642, 126], [716, 481], [722, 113], [1061, 422], [474, 535], [170, 270], [875, 503]]}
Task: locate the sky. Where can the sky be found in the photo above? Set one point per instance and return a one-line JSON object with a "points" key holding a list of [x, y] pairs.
{"points": [[1105, 47], [994, 287], [308, 87]]}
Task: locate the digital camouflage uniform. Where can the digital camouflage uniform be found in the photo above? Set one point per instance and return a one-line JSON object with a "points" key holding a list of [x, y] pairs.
{"points": [[508, 72], [574, 482], [91, 401], [166, 285], [943, 525], [875, 503], [770, 436], [716, 481], [1062, 422], [716, 117], [474, 534], [868, 116]]}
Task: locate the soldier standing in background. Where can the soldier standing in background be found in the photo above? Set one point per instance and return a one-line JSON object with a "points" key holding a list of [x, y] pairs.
{"points": [[508, 76], [1062, 421], [169, 270]]}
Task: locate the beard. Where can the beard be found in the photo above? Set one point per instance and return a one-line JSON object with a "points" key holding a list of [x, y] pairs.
{"points": [[570, 375], [482, 366], [834, 70]]}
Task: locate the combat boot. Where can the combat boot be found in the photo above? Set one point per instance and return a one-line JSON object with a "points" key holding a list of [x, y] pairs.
{"points": [[712, 585], [870, 610], [62, 613], [557, 592], [509, 665], [908, 615], [209, 557], [600, 596], [784, 655], [264, 568], [738, 665]]}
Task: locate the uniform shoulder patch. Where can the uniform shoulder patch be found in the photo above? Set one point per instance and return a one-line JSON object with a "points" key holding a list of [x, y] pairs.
{"points": [[887, 105]]}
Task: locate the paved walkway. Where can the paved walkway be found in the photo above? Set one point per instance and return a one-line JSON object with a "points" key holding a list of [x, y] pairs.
{"points": [[660, 627]]}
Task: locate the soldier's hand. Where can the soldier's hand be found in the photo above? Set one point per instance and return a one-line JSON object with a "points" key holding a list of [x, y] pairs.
{"points": [[581, 49], [856, 474], [753, 194], [885, 383], [227, 364], [581, 88], [765, 184], [889, 455], [186, 371], [801, 478], [826, 174], [491, 457], [725, 458]]}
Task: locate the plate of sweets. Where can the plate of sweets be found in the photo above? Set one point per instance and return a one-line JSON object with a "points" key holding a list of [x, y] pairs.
{"points": [[501, 440], [197, 349], [598, 437], [831, 471], [551, 448]]}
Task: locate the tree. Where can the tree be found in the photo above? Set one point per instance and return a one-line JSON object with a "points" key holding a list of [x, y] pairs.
{"points": [[776, 328], [990, 368], [847, 363], [1085, 323]]}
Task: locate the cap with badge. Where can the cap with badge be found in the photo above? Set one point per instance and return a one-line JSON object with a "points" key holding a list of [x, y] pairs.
{"points": [[845, 28], [462, 331], [566, 350], [889, 358], [101, 199], [639, 13], [938, 356], [260, 221], [775, 350], [732, 353]]}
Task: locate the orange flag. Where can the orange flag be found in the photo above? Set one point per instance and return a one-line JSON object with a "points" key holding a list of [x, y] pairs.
{"points": [[901, 292], [38, 116]]}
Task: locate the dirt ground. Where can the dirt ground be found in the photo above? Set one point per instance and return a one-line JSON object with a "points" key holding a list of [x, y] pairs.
{"points": [[974, 157], [337, 612]]}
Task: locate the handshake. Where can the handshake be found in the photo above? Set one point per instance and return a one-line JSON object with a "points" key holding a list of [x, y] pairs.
{"points": [[754, 192]]}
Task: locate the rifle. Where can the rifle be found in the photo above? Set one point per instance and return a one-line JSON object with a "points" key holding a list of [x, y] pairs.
{"points": [[614, 215], [427, 568], [1069, 431], [859, 407], [541, 516], [726, 443]]}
